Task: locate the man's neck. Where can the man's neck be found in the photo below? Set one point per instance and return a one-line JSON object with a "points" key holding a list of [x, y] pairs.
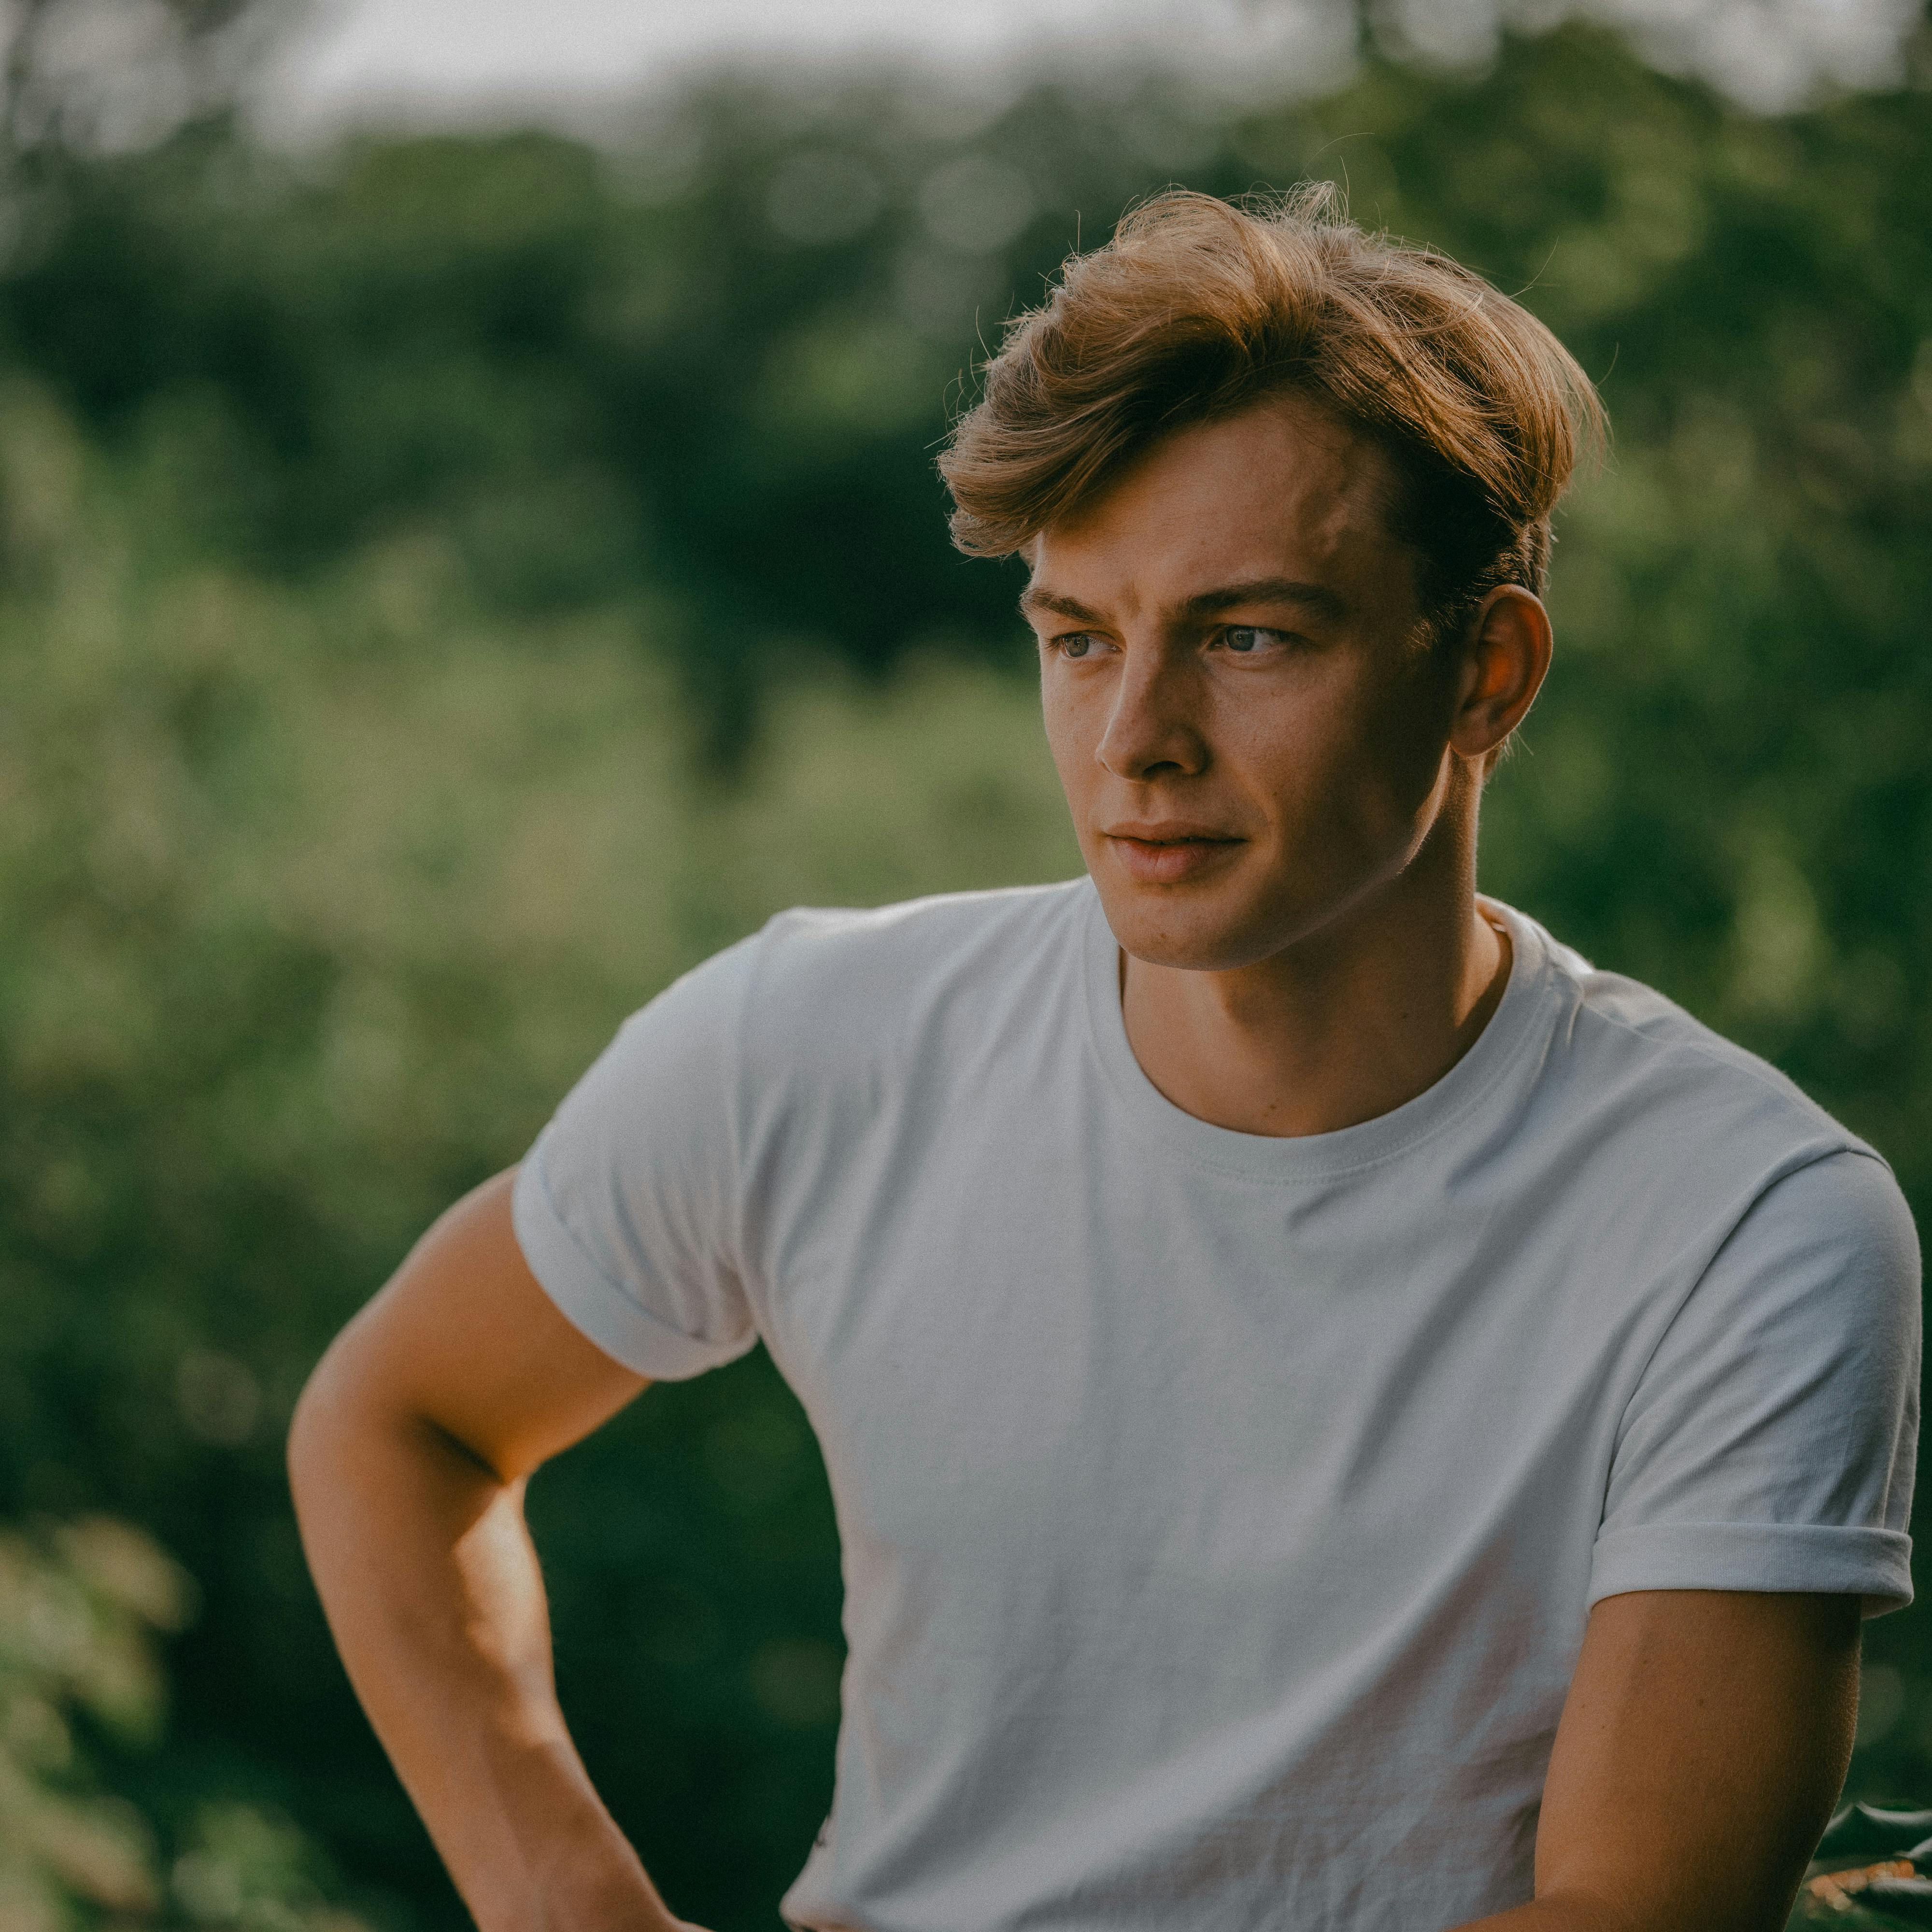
{"points": [[1343, 1026]]}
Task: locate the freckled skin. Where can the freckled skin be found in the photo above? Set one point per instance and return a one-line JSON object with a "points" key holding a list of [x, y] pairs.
{"points": [[1274, 774], [1326, 753]]}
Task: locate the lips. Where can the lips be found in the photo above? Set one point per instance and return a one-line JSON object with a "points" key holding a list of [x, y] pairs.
{"points": [[1167, 854], [1168, 831]]}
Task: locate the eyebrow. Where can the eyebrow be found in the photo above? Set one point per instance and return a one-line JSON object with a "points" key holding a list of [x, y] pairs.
{"points": [[1318, 597], [1032, 599]]}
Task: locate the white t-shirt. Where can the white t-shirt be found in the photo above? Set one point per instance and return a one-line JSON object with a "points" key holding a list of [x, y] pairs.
{"points": [[1220, 1513]]}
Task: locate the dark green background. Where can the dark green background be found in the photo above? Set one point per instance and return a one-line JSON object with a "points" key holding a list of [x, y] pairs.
{"points": [[447, 585]]}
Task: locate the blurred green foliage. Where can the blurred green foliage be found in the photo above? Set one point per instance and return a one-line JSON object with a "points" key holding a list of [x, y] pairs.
{"points": [[81, 1605], [448, 586]]}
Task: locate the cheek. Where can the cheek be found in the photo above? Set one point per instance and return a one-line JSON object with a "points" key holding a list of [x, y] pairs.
{"points": [[1356, 763], [1068, 736]]}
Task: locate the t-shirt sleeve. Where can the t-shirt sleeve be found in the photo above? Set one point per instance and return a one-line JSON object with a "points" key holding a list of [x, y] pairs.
{"points": [[626, 1208], [1770, 1443]]}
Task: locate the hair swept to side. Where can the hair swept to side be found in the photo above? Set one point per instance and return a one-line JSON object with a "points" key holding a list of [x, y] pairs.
{"points": [[1197, 308]]}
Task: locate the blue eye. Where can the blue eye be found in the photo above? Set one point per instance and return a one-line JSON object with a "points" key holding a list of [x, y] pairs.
{"points": [[1075, 646], [1245, 638]]}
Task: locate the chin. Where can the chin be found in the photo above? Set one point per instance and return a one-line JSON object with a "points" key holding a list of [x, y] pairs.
{"points": [[1188, 931]]}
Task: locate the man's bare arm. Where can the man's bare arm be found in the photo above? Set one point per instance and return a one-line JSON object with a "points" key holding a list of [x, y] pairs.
{"points": [[1702, 1747], [408, 1457]]}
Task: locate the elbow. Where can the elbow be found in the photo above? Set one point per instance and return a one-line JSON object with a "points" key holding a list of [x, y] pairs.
{"points": [[319, 1429], [354, 1434], [306, 1451]]}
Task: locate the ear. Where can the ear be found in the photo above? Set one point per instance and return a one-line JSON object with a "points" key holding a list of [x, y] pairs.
{"points": [[1505, 655]]}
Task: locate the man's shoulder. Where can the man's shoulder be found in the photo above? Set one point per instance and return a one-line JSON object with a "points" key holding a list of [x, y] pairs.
{"points": [[935, 927], [838, 974], [1652, 1072]]}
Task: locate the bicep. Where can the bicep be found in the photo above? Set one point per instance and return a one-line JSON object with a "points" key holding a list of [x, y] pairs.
{"points": [[463, 1338], [1702, 1744]]}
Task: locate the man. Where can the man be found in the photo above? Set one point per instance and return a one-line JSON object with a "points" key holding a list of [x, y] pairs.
{"points": [[1342, 1417]]}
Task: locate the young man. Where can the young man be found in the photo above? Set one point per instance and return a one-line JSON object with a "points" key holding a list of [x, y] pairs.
{"points": [[1342, 1417]]}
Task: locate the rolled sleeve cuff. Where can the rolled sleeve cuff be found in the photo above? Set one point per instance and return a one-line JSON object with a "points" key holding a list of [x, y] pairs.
{"points": [[1821, 1558], [594, 1304]]}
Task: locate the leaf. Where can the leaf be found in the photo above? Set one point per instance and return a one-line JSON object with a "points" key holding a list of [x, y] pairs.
{"points": [[1861, 1830]]}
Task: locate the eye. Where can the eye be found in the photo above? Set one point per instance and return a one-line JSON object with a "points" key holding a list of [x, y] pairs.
{"points": [[1244, 639], [1075, 644]]}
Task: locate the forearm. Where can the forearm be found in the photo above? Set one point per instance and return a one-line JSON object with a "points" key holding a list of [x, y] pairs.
{"points": [[433, 1592], [1556, 1914], [1573, 1913]]}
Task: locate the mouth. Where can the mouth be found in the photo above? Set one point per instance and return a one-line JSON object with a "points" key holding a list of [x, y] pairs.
{"points": [[1165, 855]]}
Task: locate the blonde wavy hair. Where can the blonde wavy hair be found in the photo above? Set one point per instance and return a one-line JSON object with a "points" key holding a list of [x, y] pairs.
{"points": [[1198, 308]]}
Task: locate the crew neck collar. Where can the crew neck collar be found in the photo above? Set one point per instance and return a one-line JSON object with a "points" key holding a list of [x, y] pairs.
{"points": [[1520, 1015]]}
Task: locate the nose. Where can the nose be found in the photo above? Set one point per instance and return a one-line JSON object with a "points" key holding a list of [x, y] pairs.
{"points": [[1151, 729]]}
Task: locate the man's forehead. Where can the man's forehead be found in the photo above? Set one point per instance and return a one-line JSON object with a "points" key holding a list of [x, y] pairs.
{"points": [[1281, 492]]}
